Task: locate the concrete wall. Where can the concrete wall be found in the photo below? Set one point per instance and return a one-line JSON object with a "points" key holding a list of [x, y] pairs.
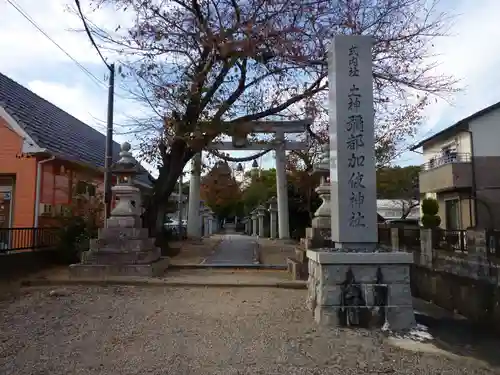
{"points": [[478, 300], [21, 264], [468, 283]]}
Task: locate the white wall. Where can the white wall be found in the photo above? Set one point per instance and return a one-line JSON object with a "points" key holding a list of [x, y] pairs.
{"points": [[486, 132]]}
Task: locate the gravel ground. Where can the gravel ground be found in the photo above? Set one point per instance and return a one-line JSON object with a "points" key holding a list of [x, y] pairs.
{"points": [[131, 330]]}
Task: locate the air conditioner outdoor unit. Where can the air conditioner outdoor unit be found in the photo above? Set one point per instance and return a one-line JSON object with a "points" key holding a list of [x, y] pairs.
{"points": [[46, 209], [62, 210]]}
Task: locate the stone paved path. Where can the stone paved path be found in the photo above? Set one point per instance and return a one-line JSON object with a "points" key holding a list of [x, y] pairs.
{"points": [[233, 249]]}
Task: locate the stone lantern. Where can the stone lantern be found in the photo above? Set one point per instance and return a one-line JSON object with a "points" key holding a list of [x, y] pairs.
{"points": [[254, 218], [273, 217], [128, 197], [322, 216], [204, 218], [319, 234], [210, 220], [248, 225], [261, 214], [122, 248]]}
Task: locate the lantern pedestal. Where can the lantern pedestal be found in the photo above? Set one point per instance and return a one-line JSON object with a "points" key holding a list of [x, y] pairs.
{"points": [[122, 248]]}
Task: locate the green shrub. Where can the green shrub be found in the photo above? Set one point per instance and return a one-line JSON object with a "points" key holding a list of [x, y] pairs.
{"points": [[431, 221], [74, 238], [430, 207], [77, 226]]}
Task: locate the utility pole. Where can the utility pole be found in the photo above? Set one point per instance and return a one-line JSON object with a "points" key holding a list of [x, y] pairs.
{"points": [[108, 161]]}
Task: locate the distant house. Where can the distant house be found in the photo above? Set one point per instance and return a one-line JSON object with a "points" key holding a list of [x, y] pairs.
{"points": [[174, 198], [461, 171], [394, 209], [44, 154]]}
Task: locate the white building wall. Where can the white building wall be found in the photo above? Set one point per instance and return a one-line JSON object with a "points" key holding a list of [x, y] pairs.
{"points": [[461, 141], [486, 133]]}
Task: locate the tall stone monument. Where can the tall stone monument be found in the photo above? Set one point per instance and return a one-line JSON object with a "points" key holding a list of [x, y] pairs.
{"points": [[354, 283], [123, 247]]}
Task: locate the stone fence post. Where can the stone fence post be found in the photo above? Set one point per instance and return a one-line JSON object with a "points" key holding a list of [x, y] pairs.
{"points": [[395, 239], [426, 251]]}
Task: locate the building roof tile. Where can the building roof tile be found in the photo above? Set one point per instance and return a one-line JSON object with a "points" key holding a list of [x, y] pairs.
{"points": [[54, 129]]}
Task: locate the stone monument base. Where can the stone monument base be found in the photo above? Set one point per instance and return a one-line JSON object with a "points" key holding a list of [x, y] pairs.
{"points": [[361, 289], [154, 269]]}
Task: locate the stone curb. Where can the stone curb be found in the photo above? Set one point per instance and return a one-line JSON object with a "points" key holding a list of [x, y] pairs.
{"points": [[277, 267], [302, 285]]}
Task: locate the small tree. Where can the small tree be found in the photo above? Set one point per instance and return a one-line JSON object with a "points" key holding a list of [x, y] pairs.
{"points": [[220, 191], [79, 221], [430, 208]]}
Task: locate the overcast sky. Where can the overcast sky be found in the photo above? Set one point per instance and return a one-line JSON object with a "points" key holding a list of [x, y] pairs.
{"points": [[27, 56]]}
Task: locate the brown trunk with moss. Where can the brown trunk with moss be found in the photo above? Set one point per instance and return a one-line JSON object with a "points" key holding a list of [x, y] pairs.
{"points": [[173, 164]]}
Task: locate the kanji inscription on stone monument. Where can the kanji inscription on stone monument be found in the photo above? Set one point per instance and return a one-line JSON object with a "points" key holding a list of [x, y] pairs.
{"points": [[353, 184]]}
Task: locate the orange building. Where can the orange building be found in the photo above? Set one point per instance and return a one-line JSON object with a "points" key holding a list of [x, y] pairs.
{"points": [[44, 154]]}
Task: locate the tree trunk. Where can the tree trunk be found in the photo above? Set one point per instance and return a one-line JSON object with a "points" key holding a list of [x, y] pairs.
{"points": [[163, 187]]}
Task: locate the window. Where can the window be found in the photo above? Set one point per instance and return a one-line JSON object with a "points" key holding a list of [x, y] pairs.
{"points": [[84, 188], [452, 212], [449, 153]]}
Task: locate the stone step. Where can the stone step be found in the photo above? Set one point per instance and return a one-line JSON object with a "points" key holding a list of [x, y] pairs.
{"points": [[121, 257], [123, 244], [124, 233], [103, 271]]}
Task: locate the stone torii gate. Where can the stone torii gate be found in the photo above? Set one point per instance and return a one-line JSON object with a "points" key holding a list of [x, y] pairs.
{"points": [[278, 144]]}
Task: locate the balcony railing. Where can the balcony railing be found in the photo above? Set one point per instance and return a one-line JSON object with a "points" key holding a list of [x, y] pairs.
{"points": [[452, 157]]}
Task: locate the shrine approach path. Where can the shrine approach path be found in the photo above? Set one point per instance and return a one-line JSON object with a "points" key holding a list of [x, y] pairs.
{"points": [[234, 249]]}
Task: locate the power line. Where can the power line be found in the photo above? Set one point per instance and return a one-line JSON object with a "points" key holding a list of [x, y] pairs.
{"points": [[21, 11], [89, 34], [30, 20]]}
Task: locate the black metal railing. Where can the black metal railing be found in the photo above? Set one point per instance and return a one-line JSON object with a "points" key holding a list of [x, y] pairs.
{"points": [[409, 238], [21, 239], [450, 240], [384, 236], [452, 157]]}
